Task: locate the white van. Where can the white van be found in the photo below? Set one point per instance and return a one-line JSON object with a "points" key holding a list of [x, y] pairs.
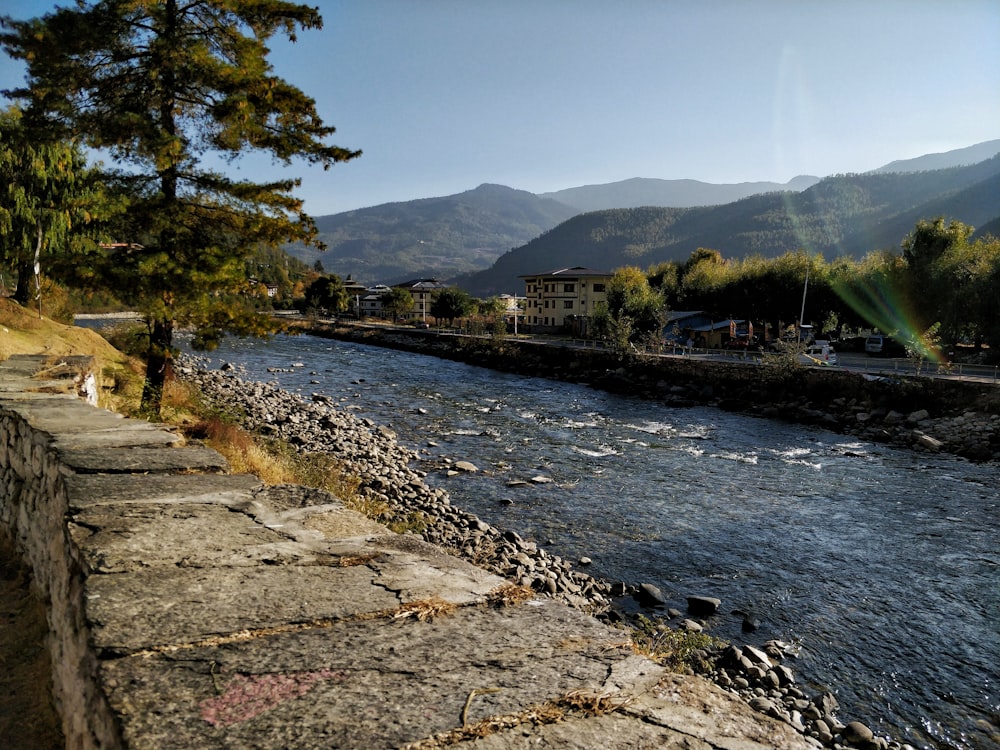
{"points": [[875, 344], [819, 352]]}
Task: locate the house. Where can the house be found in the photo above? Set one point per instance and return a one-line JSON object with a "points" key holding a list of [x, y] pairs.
{"points": [[718, 334], [355, 291], [563, 299], [680, 326], [370, 303], [422, 291]]}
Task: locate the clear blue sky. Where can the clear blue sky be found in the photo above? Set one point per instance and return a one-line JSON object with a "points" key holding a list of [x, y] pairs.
{"points": [[540, 95]]}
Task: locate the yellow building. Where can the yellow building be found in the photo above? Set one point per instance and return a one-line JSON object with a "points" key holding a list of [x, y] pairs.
{"points": [[563, 299]]}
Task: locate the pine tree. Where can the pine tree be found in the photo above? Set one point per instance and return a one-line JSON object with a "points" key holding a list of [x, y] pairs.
{"points": [[156, 85]]}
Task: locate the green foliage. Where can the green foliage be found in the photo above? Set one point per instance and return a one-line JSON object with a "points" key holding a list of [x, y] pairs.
{"points": [[157, 86], [451, 303], [637, 311], [327, 293], [682, 651], [494, 310], [47, 196], [397, 302]]}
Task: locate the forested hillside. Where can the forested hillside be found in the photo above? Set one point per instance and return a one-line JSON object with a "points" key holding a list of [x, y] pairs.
{"points": [[843, 215], [438, 237]]}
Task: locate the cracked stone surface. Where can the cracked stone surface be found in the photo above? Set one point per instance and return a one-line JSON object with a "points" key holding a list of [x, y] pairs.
{"points": [[248, 624]]}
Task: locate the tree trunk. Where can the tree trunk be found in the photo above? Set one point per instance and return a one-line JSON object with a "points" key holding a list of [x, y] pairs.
{"points": [[159, 363], [22, 292]]}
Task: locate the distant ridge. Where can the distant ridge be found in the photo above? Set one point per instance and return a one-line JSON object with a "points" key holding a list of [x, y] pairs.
{"points": [[468, 238], [960, 157], [431, 237], [645, 191]]}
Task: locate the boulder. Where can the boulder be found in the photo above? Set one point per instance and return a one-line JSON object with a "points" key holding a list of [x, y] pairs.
{"points": [[703, 606], [757, 656], [649, 595], [857, 733]]}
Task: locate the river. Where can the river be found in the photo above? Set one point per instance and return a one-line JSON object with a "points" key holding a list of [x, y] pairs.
{"points": [[881, 566]]}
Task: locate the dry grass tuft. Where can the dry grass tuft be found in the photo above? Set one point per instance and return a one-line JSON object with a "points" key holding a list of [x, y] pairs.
{"points": [[425, 610], [353, 561], [510, 595], [586, 702], [593, 703], [242, 451]]}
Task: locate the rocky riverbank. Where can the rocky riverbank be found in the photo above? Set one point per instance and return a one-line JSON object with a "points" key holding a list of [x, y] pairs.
{"points": [[387, 476]]}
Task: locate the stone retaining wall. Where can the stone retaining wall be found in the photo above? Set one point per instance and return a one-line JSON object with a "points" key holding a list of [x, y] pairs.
{"points": [[33, 508]]}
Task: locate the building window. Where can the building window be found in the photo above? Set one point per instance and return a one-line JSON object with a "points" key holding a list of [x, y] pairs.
{"points": [[569, 288], [598, 287], [568, 304]]}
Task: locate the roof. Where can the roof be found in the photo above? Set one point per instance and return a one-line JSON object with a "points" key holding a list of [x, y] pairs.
{"points": [[574, 271], [720, 325], [420, 284], [674, 315]]}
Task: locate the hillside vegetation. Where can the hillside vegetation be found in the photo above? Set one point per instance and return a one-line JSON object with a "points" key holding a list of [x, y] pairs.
{"points": [[846, 215], [432, 237]]}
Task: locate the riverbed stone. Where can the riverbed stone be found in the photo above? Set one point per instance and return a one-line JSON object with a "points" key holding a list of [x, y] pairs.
{"points": [[856, 733], [649, 595], [703, 606]]}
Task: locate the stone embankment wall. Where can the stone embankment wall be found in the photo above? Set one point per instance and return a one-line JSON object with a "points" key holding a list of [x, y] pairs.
{"points": [[933, 414], [189, 607]]}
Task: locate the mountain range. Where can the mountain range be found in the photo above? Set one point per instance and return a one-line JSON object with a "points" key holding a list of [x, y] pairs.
{"points": [[484, 239]]}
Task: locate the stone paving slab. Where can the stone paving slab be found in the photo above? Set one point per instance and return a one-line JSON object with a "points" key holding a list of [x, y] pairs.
{"points": [[136, 537], [154, 607], [87, 490], [27, 377], [126, 458], [362, 684]]}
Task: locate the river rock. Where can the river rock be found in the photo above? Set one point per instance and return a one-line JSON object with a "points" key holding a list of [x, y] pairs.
{"points": [[703, 606], [466, 466], [856, 733], [649, 595], [757, 656]]}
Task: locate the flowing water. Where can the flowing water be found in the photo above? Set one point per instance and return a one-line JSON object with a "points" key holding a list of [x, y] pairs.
{"points": [[881, 565]]}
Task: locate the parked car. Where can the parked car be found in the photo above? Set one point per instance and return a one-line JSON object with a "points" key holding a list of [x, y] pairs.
{"points": [[819, 352], [879, 344], [875, 344]]}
